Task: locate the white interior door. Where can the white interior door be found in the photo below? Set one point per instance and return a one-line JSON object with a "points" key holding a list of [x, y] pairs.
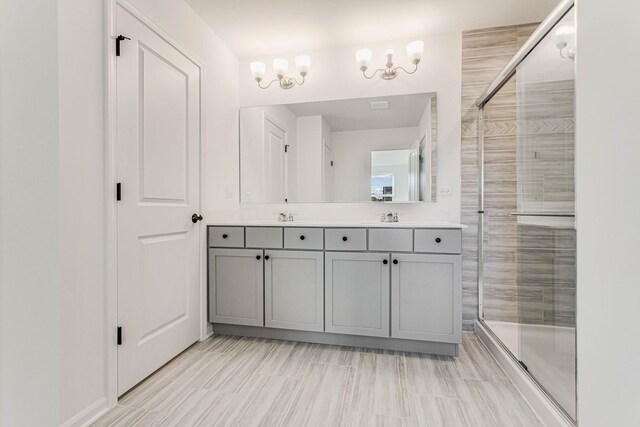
{"points": [[158, 145], [274, 142]]}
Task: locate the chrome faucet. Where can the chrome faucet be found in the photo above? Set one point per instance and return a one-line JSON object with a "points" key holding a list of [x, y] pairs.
{"points": [[389, 217], [285, 216]]}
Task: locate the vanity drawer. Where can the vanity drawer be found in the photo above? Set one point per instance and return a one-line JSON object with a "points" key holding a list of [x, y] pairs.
{"points": [[391, 239], [303, 238], [345, 239], [448, 241], [264, 237], [226, 237]]}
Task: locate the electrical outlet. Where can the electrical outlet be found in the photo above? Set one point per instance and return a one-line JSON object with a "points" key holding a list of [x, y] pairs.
{"points": [[445, 191]]}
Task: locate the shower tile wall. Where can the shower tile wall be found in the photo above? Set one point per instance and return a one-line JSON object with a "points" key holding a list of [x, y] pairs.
{"points": [[546, 275], [484, 53], [546, 255]]}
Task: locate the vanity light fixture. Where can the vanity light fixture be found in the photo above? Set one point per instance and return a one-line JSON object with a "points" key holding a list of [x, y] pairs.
{"points": [[280, 66], [414, 52]]}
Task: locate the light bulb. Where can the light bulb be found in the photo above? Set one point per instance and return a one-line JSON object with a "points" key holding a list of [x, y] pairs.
{"points": [[303, 62], [415, 50], [280, 66], [258, 69], [363, 57]]}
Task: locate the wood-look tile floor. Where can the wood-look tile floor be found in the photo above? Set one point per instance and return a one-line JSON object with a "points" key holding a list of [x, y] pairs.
{"points": [[232, 381]]}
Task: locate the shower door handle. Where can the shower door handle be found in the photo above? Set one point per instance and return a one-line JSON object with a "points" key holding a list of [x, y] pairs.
{"points": [[551, 214]]}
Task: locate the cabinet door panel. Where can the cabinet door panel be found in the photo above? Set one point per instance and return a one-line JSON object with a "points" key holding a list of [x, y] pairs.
{"points": [[357, 293], [236, 286], [294, 290], [426, 297]]}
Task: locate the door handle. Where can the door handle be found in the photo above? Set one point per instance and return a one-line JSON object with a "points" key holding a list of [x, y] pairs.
{"points": [[195, 218]]}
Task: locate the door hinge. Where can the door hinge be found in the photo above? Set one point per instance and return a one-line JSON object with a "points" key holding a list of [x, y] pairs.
{"points": [[331, 162], [118, 40], [286, 148], [118, 191], [119, 335], [523, 365]]}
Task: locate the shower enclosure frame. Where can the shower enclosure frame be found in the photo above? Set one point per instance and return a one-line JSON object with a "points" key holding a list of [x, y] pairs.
{"points": [[501, 79]]}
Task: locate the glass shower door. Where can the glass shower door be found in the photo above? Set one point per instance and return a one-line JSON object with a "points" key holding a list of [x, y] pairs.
{"points": [[528, 248], [545, 220]]}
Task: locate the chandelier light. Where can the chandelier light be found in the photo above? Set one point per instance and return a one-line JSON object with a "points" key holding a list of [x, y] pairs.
{"points": [[414, 52], [280, 67]]}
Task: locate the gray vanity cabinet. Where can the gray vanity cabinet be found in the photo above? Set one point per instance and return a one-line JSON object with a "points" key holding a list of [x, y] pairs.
{"points": [[294, 282], [236, 286], [357, 293], [426, 297], [392, 288]]}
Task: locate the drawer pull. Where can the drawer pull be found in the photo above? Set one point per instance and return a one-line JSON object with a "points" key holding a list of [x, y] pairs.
{"points": [[344, 238], [258, 257], [395, 261], [385, 262], [302, 237], [438, 240], [266, 257], [224, 236]]}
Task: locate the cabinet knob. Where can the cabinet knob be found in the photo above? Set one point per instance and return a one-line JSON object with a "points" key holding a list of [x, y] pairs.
{"points": [[344, 238], [302, 237], [266, 257], [385, 262], [224, 236], [438, 240], [395, 261], [258, 257]]}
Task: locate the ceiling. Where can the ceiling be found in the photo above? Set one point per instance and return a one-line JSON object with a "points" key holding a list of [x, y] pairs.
{"points": [[263, 27], [356, 114]]}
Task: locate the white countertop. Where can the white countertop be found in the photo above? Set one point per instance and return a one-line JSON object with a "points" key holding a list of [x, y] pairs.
{"points": [[336, 223]]}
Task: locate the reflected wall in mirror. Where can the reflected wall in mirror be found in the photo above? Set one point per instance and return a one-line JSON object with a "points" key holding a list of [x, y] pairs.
{"points": [[381, 149]]}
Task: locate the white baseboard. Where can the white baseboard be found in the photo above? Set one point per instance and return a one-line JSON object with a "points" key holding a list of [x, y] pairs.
{"points": [[88, 415], [541, 404]]}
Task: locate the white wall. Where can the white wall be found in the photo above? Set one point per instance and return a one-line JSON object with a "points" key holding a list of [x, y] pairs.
{"points": [[352, 158], [607, 203], [29, 268], [309, 158], [81, 198], [334, 75]]}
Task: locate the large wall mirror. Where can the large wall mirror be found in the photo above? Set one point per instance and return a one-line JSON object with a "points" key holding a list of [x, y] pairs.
{"points": [[379, 149]]}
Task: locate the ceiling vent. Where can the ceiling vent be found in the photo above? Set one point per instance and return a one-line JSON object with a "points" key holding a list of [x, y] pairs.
{"points": [[379, 105]]}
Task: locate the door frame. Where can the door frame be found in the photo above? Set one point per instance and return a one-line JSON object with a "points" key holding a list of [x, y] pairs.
{"points": [[110, 179]]}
